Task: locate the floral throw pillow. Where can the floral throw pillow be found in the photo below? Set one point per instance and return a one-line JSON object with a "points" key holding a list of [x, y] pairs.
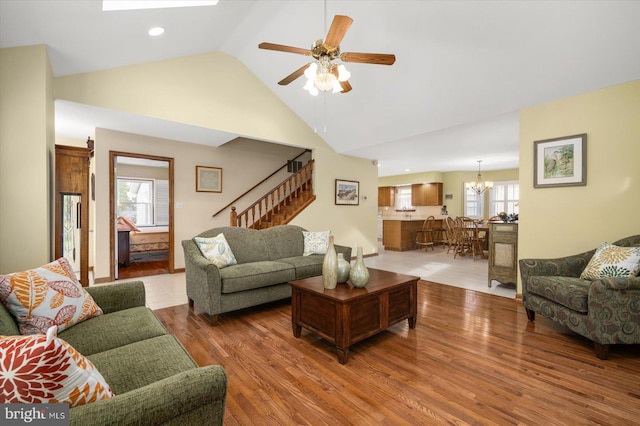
{"points": [[315, 242], [47, 296], [216, 250], [613, 261], [42, 369]]}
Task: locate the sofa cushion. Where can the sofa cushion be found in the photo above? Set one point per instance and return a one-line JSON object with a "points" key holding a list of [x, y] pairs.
{"points": [[255, 275], [306, 266], [50, 295], [568, 291], [315, 242], [612, 261], [46, 369], [146, 362], [113, 330], [216, 250], [284, 241]]}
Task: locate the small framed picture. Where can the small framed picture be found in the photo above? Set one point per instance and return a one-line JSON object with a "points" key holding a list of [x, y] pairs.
{"points": [[347, 192], [560, 162], [208, 179]]}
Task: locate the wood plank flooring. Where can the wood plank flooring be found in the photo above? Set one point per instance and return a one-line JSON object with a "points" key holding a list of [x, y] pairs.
{"points": [[473, 358], [143, 269]]}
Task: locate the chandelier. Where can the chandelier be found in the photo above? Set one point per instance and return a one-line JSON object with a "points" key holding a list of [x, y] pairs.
{"points": [[325, 76], [479, 186]]}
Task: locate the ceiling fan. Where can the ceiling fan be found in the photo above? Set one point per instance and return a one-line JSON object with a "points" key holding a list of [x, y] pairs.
{"points": [[323, 74]]}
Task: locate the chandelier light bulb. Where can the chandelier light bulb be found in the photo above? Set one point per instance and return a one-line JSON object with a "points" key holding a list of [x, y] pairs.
{"points": [[325, 81]]}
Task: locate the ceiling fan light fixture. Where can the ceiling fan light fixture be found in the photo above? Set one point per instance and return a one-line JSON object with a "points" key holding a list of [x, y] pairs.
{"points": [[311, 71], [343, 74], [325, 81], [337, 87]]}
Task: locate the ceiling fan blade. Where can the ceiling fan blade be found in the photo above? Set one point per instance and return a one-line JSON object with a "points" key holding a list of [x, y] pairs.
{"points": [[369, 58], [337, 31], [346, 87], [283, 48], [294, 75]]}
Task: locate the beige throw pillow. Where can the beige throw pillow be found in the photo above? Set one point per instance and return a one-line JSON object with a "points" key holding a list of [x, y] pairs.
{"points": [[315, 242], [612, 261], [216, 250]]}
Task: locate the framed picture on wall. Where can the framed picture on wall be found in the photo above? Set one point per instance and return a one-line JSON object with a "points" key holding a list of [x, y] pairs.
{"points": [[347, 192], [560, 162], [208, 179]]}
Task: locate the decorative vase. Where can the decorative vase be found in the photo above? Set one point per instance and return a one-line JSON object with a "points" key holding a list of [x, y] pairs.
{"points": [[330, 267], [359, 274], [344, 267]]}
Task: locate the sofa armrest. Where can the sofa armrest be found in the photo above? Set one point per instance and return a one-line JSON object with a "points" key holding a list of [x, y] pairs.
{"points": [[117, 297], [613, 308], [346, 251], [203, 277], [192, 397]]}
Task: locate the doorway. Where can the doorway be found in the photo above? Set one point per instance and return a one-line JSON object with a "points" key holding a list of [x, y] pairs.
{"points": [[141, 212]]}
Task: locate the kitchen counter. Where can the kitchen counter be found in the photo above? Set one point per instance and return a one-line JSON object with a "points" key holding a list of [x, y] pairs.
{"points": [[399, 232]]}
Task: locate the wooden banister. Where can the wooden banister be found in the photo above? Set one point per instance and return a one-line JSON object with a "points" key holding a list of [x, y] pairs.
{"points": [[285, 201], [259, 183]]}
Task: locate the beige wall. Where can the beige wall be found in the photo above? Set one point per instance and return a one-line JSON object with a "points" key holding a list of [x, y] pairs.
{"points": [[562, 221], [216, 91], [26, 158]]}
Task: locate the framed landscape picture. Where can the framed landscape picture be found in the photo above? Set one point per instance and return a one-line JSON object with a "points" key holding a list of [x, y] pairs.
{"points": [[347, 192], [208, 179], [560, 162]]}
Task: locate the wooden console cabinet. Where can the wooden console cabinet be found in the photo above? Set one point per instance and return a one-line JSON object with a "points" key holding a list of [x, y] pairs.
{"points": [[71, 228], [503, 252]]}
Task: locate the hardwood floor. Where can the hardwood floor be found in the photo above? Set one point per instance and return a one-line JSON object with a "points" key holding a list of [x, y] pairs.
{"points": [[473, 358], [143, 269]]}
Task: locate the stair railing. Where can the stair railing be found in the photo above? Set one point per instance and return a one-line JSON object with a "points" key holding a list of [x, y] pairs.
{"points": [[258, 184], [283, 201]]}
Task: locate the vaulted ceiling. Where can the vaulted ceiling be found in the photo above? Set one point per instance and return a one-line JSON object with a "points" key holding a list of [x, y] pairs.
{"points": [[463, 68]]}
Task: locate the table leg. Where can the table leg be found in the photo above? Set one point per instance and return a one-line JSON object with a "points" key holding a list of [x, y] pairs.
{"points": [[297, 330], [343, 355]]}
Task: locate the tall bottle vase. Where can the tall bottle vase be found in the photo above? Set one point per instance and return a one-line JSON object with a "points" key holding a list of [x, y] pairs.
{"points": [[330, 267], [359, 274]]}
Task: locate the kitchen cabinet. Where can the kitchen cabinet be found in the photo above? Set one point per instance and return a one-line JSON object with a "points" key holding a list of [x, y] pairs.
{"points": [[386, 196], [426, 194], [503, 252]]}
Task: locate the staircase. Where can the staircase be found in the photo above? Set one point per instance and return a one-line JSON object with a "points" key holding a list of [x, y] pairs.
{"points": [[280, 205]]}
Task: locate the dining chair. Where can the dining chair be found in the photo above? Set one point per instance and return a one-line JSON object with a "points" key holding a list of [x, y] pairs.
{"points": [[424, 237], [449, 224], [472, 236]]}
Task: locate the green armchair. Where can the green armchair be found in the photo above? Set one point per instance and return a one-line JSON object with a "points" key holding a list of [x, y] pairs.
{"points": [[605, 310]]}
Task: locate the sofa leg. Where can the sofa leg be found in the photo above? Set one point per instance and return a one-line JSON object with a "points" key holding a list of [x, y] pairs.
{"points": [[602, 351], [531, 315], [213, 319], [191, 303]]}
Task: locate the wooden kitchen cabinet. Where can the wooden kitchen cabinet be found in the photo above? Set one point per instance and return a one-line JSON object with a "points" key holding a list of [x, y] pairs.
{"points": [[386, 196], [426, 194]]}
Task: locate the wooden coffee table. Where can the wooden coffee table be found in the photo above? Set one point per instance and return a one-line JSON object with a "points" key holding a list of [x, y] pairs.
{"points": [[346, 315]]}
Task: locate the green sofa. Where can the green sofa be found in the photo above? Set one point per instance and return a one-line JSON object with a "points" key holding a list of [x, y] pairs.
{"points": [[267, 260], [154, 379], [606, 310]]}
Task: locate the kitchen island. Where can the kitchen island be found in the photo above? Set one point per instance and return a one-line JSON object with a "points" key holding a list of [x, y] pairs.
{"points": [[399, 233]]}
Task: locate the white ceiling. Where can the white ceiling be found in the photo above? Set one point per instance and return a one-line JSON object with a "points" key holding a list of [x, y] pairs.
{"points": [[463, 68]]}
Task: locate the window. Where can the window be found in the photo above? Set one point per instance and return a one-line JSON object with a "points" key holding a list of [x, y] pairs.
{"points": [[403, 198], [135, 200], [473, 203], [505, 197]]}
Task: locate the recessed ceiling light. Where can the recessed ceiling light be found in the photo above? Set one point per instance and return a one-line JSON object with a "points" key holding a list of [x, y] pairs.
{"points": [[156, 31], [407, 170], [111, 5]]}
